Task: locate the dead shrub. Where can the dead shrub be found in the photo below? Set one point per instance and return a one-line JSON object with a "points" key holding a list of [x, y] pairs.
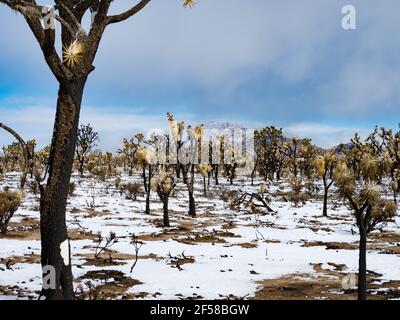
{"points": [[131, 190], [9, 203]]}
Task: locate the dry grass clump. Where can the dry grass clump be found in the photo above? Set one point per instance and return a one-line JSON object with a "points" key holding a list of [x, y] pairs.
{"points": [[132, 190]]}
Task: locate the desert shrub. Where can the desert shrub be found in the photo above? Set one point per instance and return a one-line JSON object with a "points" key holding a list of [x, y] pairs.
{"points": [[9, 203], [228, 196], [296, 195], [117, 182], [100, 173], [132, 190]]}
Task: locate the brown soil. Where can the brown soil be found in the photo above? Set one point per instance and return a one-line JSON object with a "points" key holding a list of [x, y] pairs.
{"points": [[391, 250], [116, 258], [331, 245], [320, 287], [26, 229], [385, 237], [27, 258], [81, 235], [246, 245], [114, 285]]}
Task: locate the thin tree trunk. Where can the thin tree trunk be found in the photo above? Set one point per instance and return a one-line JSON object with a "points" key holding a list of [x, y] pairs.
{"points": [[205, 186], [147, 203], [325, 208], [185, 176], [55, 251], [147, 187], [81, 168], [192, 205], [166, 215], [362, 267]]}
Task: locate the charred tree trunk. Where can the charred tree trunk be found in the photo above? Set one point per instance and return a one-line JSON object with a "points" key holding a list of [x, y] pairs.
{"points": [[362, 266], [147, 187], [166, 214], [178, 171], [326, 190], [192, 205], [325, 208], [54, 236], [147, 203], [81, 164], [185, 175]]}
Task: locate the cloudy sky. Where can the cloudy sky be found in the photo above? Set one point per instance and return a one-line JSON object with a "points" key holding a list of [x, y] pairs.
{"points": [[260, 62]]}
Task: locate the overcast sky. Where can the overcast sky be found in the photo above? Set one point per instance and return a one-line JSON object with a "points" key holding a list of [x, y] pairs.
{"points": [[252, 62]]}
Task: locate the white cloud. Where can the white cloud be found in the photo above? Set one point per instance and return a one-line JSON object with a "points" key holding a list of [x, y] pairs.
{"points": [[212, 57], [323, 135]]}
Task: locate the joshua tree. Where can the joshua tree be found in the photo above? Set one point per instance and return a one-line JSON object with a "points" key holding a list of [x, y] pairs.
{"points": [[204, 170], [31, 145], [86, 142], [176, 144], [291, 150], [325, 167], [369, 208], [129, 151], [163, 184], [269, 155], [195, 138], [390, 143], [71, 71], [146, 158], [307, 154], [231, 165]]}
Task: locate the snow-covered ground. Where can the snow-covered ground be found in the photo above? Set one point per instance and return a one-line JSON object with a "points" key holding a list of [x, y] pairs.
{"points": [[221, 253]]}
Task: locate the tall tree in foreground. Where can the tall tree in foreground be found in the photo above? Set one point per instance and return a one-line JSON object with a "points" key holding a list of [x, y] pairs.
{"points": [[71, 71], [369, 209]]}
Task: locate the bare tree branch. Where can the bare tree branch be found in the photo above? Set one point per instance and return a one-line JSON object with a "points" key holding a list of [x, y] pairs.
{"points": [[127, 14]]}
